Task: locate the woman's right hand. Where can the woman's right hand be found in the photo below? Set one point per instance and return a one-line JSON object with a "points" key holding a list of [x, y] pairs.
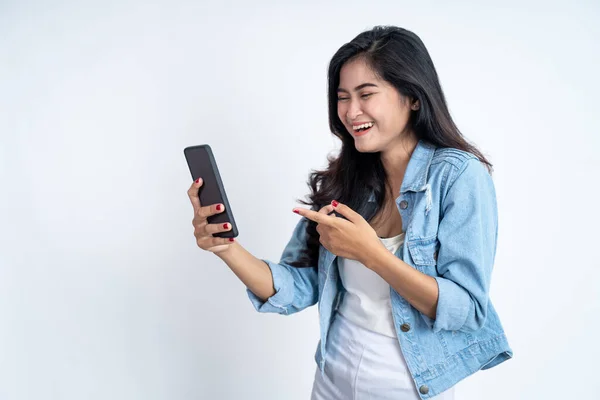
{"points": [[202, 229]]}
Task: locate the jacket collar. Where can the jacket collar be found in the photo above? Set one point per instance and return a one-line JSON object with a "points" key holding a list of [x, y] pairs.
{"points": [[415, 177]]}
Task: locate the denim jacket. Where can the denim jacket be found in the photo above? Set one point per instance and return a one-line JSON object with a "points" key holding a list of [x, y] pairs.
{"points": [[448, 206]]}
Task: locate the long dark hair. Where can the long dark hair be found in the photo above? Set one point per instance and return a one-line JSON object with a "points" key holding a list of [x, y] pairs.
{"points": [[399, 57]]}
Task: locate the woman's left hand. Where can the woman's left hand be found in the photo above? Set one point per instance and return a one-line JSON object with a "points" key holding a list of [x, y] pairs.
{"points": [[353, 238]]}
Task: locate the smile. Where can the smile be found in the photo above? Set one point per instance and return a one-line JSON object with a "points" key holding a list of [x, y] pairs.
{"points": [[363, 129]]}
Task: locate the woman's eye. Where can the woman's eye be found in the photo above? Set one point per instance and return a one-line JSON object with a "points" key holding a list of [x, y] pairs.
{"points": [[342, 98], [366, 95]]}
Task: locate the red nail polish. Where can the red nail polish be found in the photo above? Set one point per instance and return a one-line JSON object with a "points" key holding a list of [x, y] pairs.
{"points": [[225, 226], [197, 180], [297, 212], [335, 203], [219, 207], [231, 239]]}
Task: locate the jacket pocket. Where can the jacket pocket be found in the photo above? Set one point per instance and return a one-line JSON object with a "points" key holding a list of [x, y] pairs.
{"points": [[424, 253]]}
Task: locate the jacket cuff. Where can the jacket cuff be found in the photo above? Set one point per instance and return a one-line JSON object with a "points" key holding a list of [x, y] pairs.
{"points": [[452, 307], [284, 291]]}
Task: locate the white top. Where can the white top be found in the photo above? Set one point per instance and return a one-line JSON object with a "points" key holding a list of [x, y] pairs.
{"points": [[367, 301]]}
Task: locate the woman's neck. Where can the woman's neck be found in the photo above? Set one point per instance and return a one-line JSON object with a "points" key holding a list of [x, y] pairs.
{"points": [[396, 158]]}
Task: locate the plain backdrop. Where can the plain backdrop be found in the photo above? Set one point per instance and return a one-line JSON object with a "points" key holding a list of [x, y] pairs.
{"points": [[103, 291]]}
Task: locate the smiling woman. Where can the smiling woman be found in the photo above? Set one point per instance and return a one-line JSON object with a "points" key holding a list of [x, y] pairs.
{"points": [[402, 279]]}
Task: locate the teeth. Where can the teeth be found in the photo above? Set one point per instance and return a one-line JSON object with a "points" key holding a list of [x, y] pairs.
{"points": [[363, 126]]}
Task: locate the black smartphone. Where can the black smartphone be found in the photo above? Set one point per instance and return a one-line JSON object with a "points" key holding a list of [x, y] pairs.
{"points": [[202, 164]]}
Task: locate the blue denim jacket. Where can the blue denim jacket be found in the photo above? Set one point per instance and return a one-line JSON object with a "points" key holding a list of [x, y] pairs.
{"points": [[448, 206]]}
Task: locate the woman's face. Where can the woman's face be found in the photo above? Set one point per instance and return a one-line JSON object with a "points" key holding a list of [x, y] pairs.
{"points": [[363, 99]]}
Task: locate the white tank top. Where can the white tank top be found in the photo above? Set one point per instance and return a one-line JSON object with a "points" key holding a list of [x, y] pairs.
{"points": [[367, 301]]}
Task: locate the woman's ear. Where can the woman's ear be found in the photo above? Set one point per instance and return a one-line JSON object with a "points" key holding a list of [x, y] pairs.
{"points": [[415, 105]]}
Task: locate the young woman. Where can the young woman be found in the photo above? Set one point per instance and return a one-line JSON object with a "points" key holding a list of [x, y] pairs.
{"points": [[398, 245]]}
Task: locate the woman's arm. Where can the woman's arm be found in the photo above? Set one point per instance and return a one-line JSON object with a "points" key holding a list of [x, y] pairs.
{"points": [[419, 289], [276, 287], [253, 272]]}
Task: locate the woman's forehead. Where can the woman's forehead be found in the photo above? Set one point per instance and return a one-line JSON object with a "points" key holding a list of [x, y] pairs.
{"points": [[355, 73]]}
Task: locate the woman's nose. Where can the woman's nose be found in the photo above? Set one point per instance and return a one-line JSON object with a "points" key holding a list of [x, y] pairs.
{"points": [[353, 110]]}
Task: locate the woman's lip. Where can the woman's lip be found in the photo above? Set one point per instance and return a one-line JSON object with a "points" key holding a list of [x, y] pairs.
{"points": [[361, 133]]}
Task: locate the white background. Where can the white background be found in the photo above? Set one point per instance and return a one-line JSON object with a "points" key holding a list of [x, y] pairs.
{"points": [[103, 292]]}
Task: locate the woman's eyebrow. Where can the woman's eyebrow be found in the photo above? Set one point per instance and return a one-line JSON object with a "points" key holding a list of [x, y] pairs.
{"points": [[356, 89]]}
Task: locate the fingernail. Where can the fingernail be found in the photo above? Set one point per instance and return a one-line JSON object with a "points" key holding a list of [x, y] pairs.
{"points": [[225, 226], [231, 239], [219, 207], [197, 180], [335, 203], [296, 211]]}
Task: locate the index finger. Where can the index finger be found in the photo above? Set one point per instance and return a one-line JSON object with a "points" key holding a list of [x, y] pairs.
{"points": [[317, 216], [193, 194]]}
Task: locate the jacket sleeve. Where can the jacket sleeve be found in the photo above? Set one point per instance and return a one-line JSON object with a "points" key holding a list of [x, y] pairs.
{"points": [[295, 288], [467, 236]]}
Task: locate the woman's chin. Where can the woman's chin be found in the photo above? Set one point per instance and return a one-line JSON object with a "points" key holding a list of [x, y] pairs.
{"points": [[365, 147], [364, 142]]}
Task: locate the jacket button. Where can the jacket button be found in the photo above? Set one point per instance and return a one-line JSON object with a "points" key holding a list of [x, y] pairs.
{"points": [[405, 327], [424, 389], [404, 204]]}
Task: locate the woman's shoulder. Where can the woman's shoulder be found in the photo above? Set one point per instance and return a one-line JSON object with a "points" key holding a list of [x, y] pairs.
{"points": [[449, 165], [450, 155]]}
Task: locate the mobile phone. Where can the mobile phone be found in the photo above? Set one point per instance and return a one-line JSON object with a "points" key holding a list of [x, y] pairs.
{"points": [[202, 164]]}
